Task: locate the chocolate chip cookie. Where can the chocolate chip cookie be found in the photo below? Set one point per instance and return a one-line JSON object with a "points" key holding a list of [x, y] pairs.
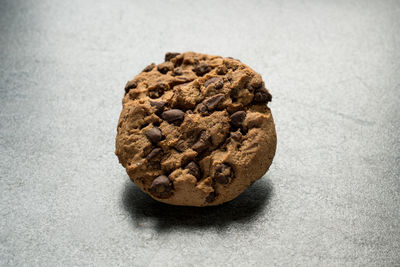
{"points": [[196, 129]]}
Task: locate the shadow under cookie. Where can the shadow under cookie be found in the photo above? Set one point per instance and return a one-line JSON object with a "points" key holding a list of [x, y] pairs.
{"points": [[246, 207]]}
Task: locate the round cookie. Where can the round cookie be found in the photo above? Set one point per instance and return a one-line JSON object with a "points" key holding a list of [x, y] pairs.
{"points": [[196, 130]]}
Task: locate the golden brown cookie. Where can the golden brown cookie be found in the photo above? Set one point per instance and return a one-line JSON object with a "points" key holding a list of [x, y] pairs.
{"points": [[196, 130]]}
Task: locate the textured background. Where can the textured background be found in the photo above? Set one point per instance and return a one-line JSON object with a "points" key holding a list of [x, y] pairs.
{"points": [[331, 196]]}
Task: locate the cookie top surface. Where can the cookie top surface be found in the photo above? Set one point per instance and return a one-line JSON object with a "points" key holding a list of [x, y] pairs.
{"points": [[196, 130]]}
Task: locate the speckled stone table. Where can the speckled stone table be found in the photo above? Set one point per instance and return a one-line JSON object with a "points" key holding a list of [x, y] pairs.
{"points": [[331, 196]]}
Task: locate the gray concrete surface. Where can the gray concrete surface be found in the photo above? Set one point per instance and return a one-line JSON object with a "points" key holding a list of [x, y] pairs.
{"points": [[331, 197]]}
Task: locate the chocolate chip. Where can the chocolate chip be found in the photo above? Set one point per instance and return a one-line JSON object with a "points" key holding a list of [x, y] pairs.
{"points": [[178, 80], [202, 143], [169, 56], [158, 90], [149, 67], [201, 69], [211, 80], [222, 173], [161, 187], [180, 146], [217, 80], [163, 70], [193, 169], [237, 118], [154, 135], [259, 97], [173, 115], [219, 84], [199, 146], [130, 85], [178, 61], [211, 197], [154, 153], [165, 67], [213, 101], [159, 105], [262, 95], [201, 108]]}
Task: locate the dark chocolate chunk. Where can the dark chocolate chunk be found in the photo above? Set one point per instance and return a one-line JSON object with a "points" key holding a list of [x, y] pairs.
{"points": [[180, 146], [243, 131], [211, 80], [159, 105], [149, 67], [154, 153], [219, 84], [261, 95], [213, 101], [199, 146], [217, 81], [158, 90], [154, 135], [164, 67], [222, 173], [193, 169], [202, 143], [169, 56], [163, 70], [237, 118], [161, 187], [211, 197], [178, 80], [201, 69], [201, 108], [177, 61], [130, 85], [173, 115]]}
